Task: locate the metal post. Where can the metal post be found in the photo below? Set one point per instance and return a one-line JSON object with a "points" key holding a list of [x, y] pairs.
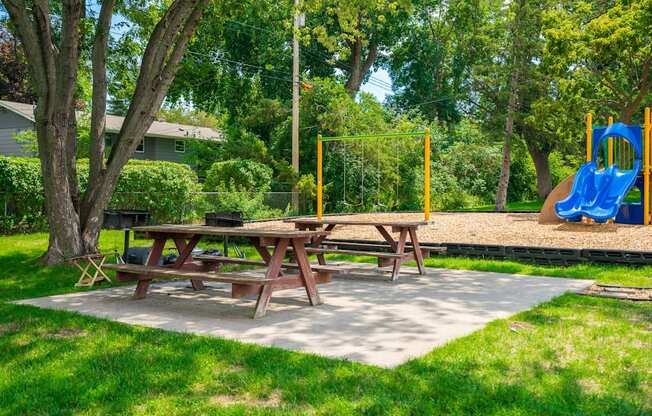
{"points": [[426, 175], [610, 146], [320, 206], [125, 248], [647, 132], [589, 136]]}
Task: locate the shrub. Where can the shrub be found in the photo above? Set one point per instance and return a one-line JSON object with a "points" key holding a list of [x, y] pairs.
{"points": [[168, 190], [250, 204], [22, 191], [238, 175]]}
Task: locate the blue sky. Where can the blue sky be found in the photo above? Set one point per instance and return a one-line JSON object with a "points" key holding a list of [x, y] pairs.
{"points": [[380, 93]]}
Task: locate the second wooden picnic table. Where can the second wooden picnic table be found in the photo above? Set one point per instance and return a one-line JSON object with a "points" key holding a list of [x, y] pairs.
{"points": [[200, 268], [400, 253]]}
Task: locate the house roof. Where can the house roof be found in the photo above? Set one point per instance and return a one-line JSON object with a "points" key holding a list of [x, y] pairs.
{"points": [[114, 123]]}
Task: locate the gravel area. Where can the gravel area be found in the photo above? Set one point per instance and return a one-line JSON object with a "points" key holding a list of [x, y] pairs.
{"points": [[502, 229]]}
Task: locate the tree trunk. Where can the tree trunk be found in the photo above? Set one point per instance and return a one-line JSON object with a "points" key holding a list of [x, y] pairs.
{"points": [[359, 66], [74, 220], [542, 168], [503, 181], [63, 220], [518, 61]]}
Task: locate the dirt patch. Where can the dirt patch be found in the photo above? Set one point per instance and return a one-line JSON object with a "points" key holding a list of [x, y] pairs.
{"points": [[620, 292], [518, 326], [9, 327], [499, 228], [273, 400]]}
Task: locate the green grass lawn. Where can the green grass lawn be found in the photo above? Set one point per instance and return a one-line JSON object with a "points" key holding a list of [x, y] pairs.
{"points": [[573, 355], [534, 206]]}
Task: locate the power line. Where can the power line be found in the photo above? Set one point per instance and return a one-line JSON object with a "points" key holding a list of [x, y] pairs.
{"points": [[374, 80]]}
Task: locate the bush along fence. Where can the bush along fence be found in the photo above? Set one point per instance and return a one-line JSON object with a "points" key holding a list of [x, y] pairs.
{"points": [[170, 192]]}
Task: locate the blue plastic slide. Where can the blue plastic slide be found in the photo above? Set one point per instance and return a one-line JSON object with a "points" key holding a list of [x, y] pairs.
{"points": [[597, 194]]}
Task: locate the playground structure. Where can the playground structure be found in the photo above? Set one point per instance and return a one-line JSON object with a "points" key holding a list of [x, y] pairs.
{"points": [[618, 161], [426, 164]]}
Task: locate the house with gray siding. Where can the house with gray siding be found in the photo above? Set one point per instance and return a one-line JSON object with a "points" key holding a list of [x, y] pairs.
{"points": [[163, 141]]}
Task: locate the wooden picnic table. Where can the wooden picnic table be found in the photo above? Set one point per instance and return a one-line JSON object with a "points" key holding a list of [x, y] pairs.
{"points": [[203, 268], [398, 255]]}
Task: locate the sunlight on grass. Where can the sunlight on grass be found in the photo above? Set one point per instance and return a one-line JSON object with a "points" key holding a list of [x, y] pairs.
{"points": [[572, 355]]}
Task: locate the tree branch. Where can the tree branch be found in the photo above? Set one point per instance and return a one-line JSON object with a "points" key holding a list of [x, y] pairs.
{"points": [[371, 57], [98, 111], [27, 33], [153, 83]]}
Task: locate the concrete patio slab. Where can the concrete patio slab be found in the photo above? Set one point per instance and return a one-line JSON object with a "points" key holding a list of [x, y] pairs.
{"points": [[367, 320]]}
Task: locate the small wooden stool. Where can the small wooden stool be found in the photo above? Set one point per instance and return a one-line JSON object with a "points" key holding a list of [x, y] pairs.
{"points": [[91, 269]]}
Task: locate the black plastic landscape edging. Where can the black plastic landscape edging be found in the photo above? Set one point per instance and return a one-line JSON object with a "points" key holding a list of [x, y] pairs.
{"points": [[528, 254]]}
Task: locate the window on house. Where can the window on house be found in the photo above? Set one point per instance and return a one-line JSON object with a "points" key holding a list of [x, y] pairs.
{"points": [[141, 147], [180, 146]]}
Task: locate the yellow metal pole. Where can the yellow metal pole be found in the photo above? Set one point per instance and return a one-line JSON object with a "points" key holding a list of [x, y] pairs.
{"points": [[320, 207], [610, 147], [589, 135], [426, 175], [647, 136]]}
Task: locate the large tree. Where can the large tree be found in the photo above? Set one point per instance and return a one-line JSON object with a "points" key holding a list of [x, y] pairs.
{"points": [[53, 55], [431, 64], [605, 49], [356, 33]]}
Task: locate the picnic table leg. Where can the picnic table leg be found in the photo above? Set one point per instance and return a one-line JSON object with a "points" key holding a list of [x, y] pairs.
{"points": [[185, 255], [273, 272], [305, 272], [321, 259], [418, 254], [264, 253], [387, 236], [400, 249], [152, 260]]}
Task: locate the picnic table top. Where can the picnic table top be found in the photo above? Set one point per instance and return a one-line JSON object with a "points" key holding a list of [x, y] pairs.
{"points": [[228, 231], [336, 221]]}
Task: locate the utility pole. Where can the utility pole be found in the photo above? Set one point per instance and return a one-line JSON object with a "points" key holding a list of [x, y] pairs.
{"points": [[298, 22]]}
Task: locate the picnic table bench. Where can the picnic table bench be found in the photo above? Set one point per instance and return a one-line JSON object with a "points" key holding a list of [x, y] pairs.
{"points": [[206, 268], [394, 253]]}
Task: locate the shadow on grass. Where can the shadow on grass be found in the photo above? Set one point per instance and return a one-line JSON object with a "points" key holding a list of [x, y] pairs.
{"points": [[113, 368]]}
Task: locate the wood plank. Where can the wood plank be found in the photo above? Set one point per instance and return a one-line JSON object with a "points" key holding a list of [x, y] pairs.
{"points": [[159, 272], [205, 230], [313, 250], [282, 283], [250, 262]]}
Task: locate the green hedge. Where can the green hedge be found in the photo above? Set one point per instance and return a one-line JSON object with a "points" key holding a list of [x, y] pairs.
{"points": [[170, 191], [23, 203], [238, 175]]}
